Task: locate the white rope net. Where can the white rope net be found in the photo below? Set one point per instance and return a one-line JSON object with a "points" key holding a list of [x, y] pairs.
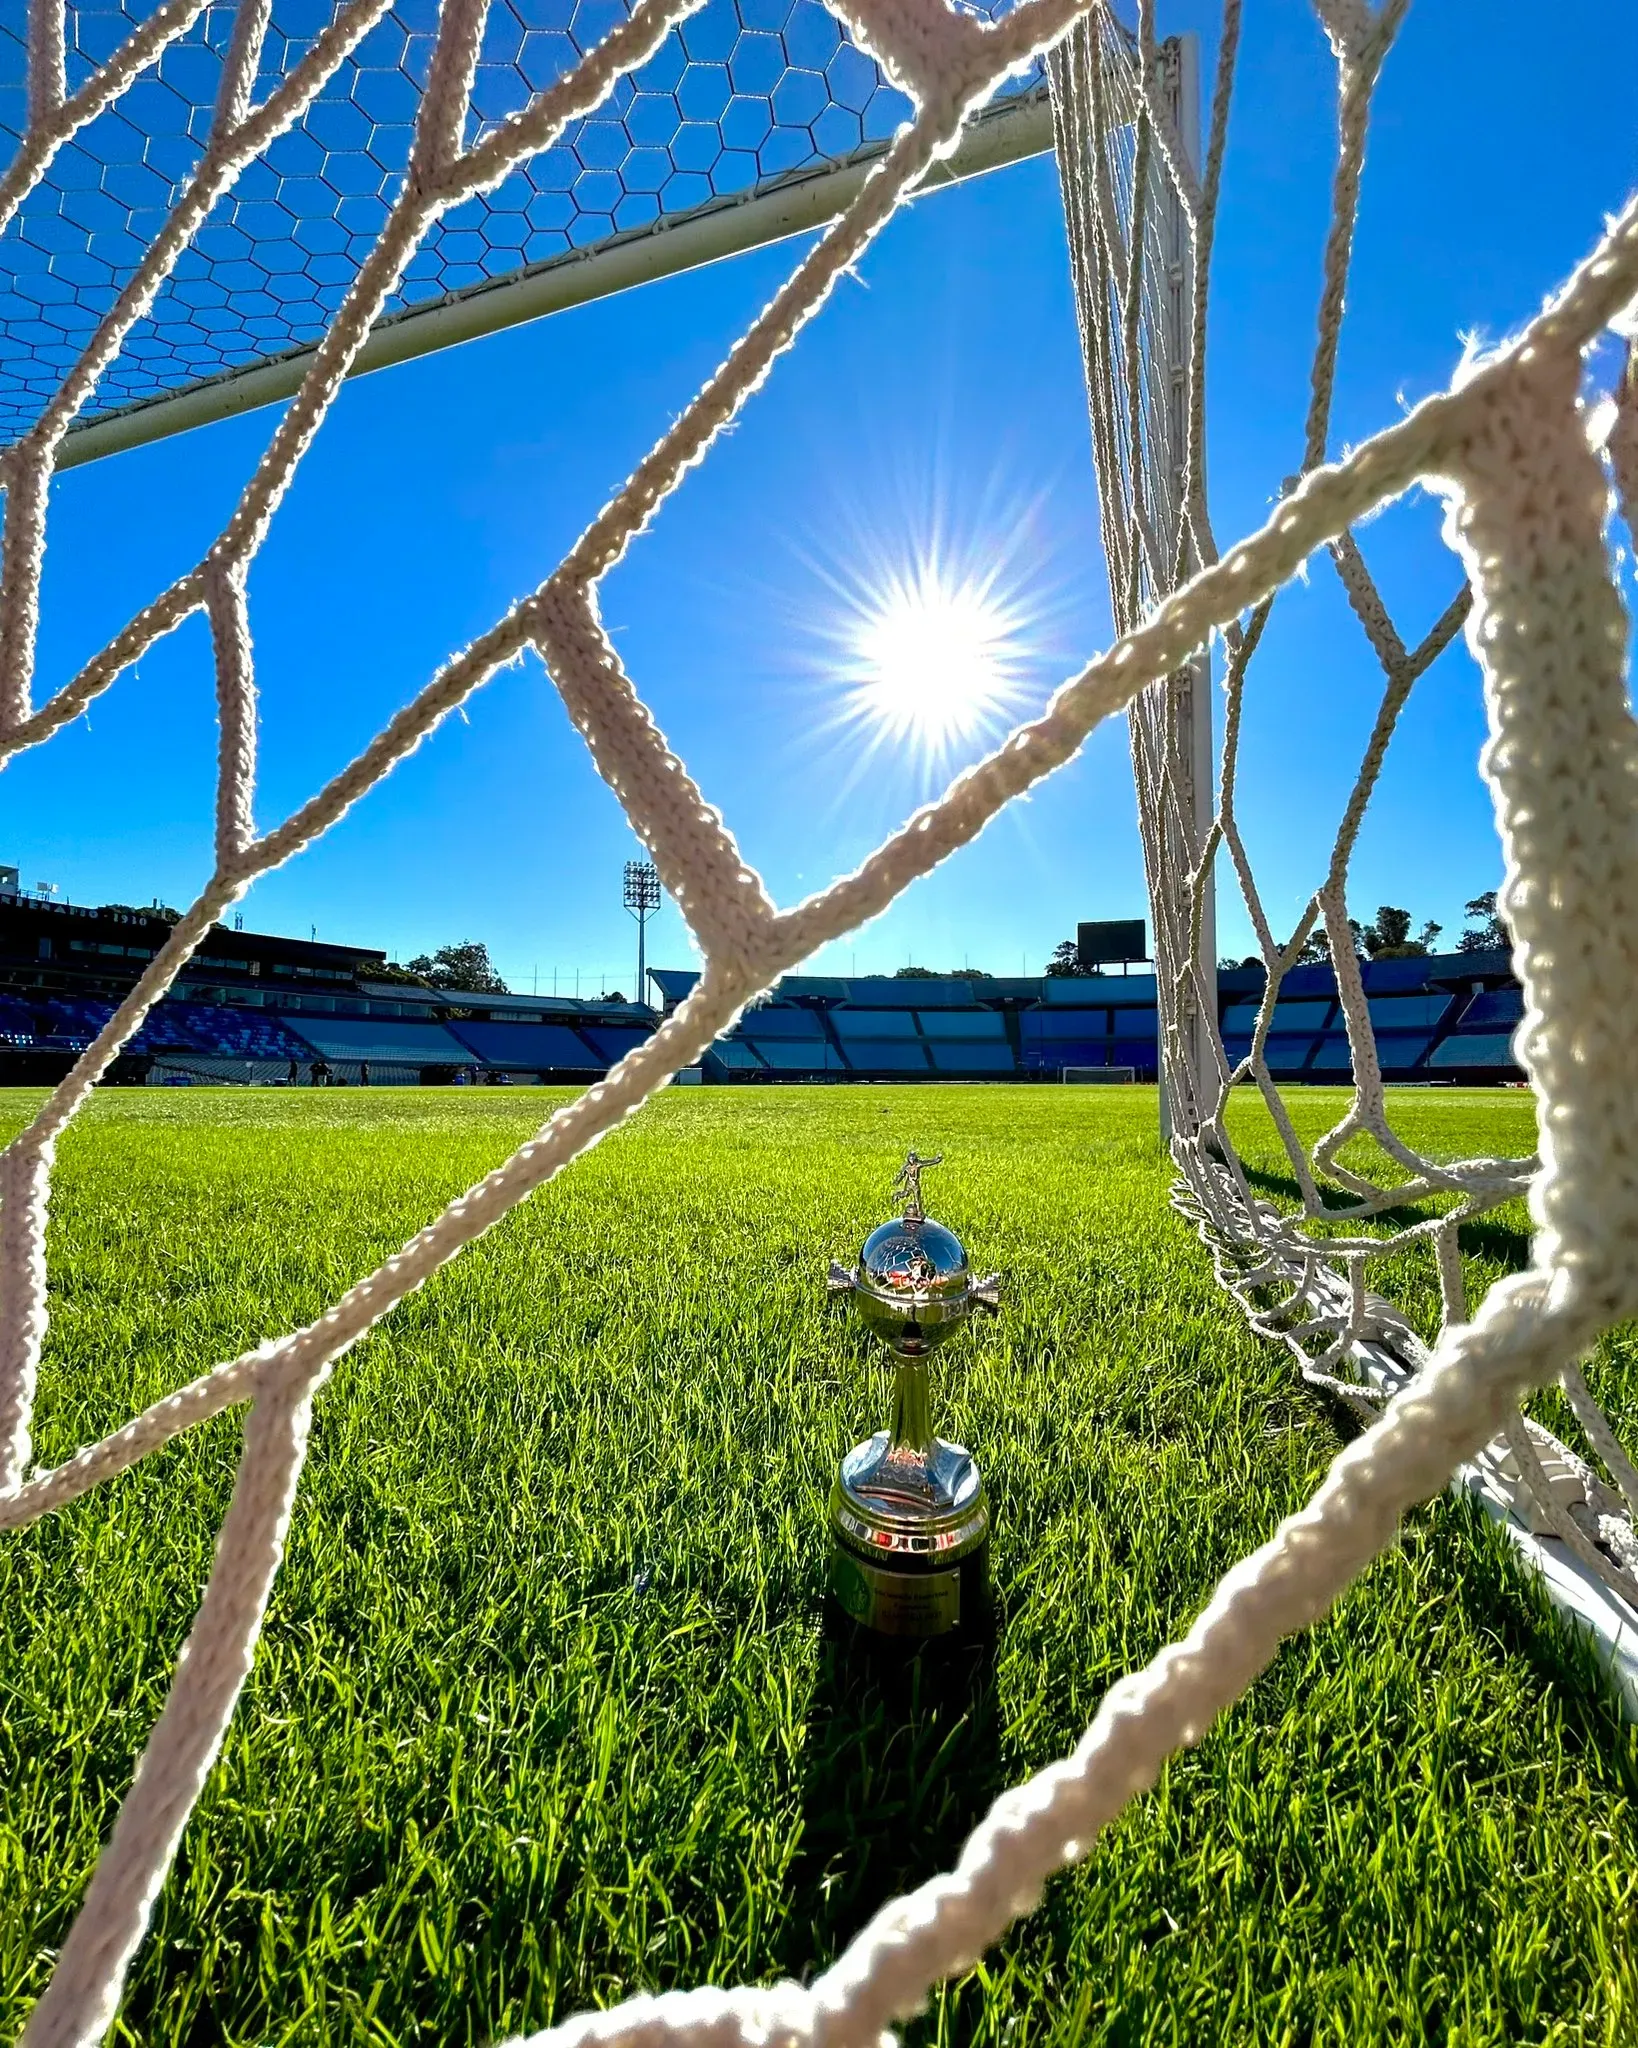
{"points": [[1141, 213], [1528, 496]]}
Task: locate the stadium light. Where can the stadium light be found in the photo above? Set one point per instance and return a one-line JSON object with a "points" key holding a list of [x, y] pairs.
{"points": [[642, 899]]}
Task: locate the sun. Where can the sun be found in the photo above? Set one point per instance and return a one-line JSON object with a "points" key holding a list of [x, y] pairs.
{"points": [[935, 660]]}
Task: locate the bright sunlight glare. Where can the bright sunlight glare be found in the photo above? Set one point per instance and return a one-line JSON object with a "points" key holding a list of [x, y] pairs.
{"points": [[934, 660]]}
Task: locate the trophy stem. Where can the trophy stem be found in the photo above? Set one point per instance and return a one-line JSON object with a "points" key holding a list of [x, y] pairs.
{"points": [[911, 1428]]}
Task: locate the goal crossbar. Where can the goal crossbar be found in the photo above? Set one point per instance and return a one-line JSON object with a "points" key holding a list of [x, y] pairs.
{"points": [[1008, 131]]}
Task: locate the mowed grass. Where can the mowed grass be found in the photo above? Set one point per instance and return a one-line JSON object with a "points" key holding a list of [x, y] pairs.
{"points": [[545, 1712]]}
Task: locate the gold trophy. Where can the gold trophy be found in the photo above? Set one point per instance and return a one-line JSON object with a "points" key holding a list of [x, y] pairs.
{"points": [[909, 1518]]}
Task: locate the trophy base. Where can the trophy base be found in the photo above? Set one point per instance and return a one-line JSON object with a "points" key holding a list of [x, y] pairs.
{"points": [[912, 1604], [910, 1540]]}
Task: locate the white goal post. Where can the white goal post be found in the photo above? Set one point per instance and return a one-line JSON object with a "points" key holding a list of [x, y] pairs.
{"points": [[1108, 1076]]}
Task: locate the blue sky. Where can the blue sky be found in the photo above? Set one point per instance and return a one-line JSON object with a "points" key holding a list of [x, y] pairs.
{"points": [[940, 391]]}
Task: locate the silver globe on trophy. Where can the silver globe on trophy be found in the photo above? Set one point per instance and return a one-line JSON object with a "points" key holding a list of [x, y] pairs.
{"points": [[909, 1517]]}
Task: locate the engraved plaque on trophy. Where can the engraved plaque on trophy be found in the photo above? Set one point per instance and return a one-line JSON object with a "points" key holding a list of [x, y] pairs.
{"points": [[909, 1517]]}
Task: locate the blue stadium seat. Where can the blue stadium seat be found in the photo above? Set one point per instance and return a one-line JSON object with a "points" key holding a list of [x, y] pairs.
{"points": [[1408, 1013], [383, 1039], [953, 1056], [1487, 1050], [219, 1032], [1285, 1056], [873, 1024], [541, 1047], [1046, 1026], [780, 1022], [612, 1042], [69, 1023], [1290, 1055], [1494, 1006], [734, 1055], [797, 1056], [887, 1056], [1397, 1052], [1072, 1052], [964, 1024], [1311, 1015]]}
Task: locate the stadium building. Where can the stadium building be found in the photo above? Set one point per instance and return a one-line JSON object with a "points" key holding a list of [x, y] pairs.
{"points": [[254, 1007]]}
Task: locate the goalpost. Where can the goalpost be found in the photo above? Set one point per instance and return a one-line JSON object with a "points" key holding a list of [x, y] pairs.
{"points": [[1527, 492]]}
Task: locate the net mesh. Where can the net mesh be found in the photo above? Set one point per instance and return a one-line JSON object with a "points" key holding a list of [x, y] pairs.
{"points": [[740, 100], [1141, 214], [1528, 489]]}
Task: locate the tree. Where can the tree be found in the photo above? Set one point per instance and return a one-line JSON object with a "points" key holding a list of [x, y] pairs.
{"points": [[915, 974], [1065, 960], [390, 970], [1485, 931], [1389, 937], [466, 967], [162, 911], [1316, 948]]}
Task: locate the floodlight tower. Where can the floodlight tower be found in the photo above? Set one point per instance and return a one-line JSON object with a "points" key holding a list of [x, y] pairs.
{"points": [[642, 899]]}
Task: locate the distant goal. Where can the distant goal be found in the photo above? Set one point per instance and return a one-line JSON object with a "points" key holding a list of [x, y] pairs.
{"points": [[1110, 1076]]}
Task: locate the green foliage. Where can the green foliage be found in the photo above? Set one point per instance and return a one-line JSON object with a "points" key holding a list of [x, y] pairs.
{"points": [[1065, 960], [1486, 932], [466, 966], [1386, 937], [544, 1712], [161, 913]]}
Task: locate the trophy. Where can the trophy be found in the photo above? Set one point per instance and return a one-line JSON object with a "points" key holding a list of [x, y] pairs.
{"points": [[909, 1519]]}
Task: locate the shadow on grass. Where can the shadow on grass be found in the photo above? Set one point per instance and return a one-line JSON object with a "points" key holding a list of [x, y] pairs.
{"points": [[1484, 1570], [1336, 1202], [1510, 1601], [1485, 1237], [901, 1759]]}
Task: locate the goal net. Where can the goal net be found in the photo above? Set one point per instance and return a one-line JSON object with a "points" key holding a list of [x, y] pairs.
{"points": [[1527, 488], [1141, 200]]}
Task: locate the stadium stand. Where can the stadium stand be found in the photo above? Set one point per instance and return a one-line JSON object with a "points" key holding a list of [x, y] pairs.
{"points": [[965, 1025], [775, 1021], [529, 1048], [1491, 1052], [731, 1059], [1406, 1013], [887, 1059], [1494, 1007], [959, 1059], [350, 1040], [793, 1057], [253, 1006], [852, 1024]]}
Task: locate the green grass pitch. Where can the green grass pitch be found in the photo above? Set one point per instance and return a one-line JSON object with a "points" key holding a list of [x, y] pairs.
{"points": [[544, 1712]]}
